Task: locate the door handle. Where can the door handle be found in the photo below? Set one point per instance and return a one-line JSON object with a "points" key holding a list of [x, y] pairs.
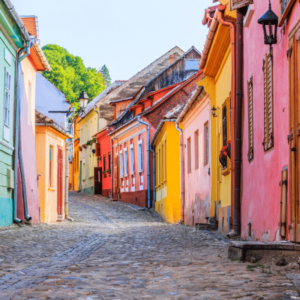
{"points": [[293, 149]]}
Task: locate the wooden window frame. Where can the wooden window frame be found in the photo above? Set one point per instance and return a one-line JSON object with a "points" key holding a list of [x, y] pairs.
{"points": [[250, 122], [282, 15], [206, 143], [189, 155], [236, 4], [51, 166], [226, 170], [196, 147], [268, 142]]}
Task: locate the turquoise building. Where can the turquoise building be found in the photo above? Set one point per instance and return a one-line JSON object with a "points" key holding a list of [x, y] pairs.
{"points": [[12, 38]]}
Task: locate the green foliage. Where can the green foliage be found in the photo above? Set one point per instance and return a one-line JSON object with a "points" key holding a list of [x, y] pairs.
{"points": [[70, 75], [105, 73]]}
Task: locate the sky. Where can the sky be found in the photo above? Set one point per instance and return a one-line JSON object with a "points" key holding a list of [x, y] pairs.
{"points": [[125, 35]]}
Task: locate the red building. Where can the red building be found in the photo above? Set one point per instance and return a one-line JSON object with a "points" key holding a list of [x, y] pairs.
{"points": [[102, 174]]}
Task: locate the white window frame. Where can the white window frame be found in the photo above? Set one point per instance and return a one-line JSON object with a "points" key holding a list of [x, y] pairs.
{"points": [[131, 159], [126, 161], [140, 155], [7, 103], [121, 164]]}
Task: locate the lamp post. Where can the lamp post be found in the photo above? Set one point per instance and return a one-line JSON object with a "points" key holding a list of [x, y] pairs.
{"points": [[269, 21], [214, 111]]}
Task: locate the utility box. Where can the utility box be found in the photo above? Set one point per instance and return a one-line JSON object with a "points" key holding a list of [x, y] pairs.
{"points": [[10, 179]]}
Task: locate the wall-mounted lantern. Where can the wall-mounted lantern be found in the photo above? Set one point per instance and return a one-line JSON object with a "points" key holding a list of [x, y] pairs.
{"points": [[83, 100], [214, 111], [269, 21]]}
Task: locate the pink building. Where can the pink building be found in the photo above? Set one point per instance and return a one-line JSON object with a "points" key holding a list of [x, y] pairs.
{"points": [[195, 124], [265, 210]]}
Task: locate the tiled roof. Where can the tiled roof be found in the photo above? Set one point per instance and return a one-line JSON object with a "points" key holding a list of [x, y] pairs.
{"points": [[174, 112], [31, 25]]}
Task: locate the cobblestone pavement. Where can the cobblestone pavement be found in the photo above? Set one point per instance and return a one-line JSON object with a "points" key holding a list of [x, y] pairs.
{"points": [[115, 251]]}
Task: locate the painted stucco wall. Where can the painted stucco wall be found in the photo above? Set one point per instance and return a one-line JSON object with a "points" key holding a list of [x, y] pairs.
{"points": [[168, 191], [197, 183], [46, 137], [27, 94], [105, 149], [260, 189], [48, 98], [87, 128], [6, 141], [219, 89]]}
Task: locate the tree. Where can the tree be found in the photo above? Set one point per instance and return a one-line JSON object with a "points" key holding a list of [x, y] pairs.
{"points": [[70, 75], [105, 73]]}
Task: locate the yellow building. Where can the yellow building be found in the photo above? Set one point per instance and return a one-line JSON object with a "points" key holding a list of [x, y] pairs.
{"points": [[50, 156], [219, 81], [166, 144], [75, 162]]}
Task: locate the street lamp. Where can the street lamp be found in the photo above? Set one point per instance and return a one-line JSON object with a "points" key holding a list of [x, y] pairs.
{"points": [[83, 100], [269, 21], [214, 111]]}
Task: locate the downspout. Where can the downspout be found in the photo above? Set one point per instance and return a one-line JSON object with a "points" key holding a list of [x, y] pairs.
{"points": [[148, 157], [17, 132], [182, 179], [111, 164], [238, 129], [232, 27]]}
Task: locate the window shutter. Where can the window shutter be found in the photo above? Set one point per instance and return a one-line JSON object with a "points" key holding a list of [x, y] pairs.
{"points": [[140, 155], [235, 4], [268, 101], [98, 150], [132, 160], [283, 202], [121, 164], [250, 120]]}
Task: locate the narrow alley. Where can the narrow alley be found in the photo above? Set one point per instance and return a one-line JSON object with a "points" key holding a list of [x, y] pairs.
{"points": [[114, 250]]}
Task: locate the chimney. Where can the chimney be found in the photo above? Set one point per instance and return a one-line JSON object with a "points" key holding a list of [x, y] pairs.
{"points": [[172, 58]]}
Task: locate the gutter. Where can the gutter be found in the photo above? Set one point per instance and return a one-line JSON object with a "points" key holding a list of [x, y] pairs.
{"points": [[148, 162], [58, 128], [111, 164], [41, 56]]}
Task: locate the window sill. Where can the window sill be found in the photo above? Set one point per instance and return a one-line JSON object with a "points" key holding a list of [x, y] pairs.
{"points": [[91, 177], [226, 171], [52, 189]]}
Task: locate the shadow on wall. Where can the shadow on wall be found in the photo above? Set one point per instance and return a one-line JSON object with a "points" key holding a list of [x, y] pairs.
{"points": [[197, 210]]}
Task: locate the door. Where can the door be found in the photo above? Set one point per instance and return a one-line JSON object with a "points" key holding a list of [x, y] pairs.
{"points": [[116, 177], [60, 181], [80, 176], [294, 133], [98, 181]]}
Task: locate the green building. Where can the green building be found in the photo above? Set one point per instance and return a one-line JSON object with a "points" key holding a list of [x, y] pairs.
{"points": [[12, 38]]}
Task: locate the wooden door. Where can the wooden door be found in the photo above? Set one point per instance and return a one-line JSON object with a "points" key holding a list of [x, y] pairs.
{"points": [[60, 181], [116, 176], [98, 180], [294, 134]]}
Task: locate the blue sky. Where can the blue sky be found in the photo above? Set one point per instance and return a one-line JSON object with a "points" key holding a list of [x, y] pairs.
{"points": [[124, 35]]}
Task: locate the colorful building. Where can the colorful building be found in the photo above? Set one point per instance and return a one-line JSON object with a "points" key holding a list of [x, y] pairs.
{"points": [[166, 144], [133, 129], [217, 62], [11, 39], [103, 171], [194, 121], [51, 161]]}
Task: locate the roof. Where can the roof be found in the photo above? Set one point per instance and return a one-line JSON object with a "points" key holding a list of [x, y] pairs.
{"points": [[104, 93], [167, 66], [31, 24], [188, 105], [42, 120]]}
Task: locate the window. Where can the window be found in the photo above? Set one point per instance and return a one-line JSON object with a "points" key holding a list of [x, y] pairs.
{"points": [[131, 159], [165, 157], [160, 168], [121, 164], [224, 124], [157, 168], [91, 163], [51, 165], [104, 163], [95, 125], [92, 128], [29, 100], [109, 161], [126, 161], [189, 155], [197, 150], [162, 163], [250, 119], [268, 101], [81, 136], [7, 99], [206, 150], [235, 4], [140, 155], [191, 64], [85, 134]]}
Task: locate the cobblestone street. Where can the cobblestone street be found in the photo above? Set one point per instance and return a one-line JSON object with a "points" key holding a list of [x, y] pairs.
{"points": [[113, 250]]}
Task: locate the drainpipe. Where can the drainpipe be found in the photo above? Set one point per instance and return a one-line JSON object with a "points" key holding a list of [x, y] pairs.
{"points": [[148, 156], [238, 129], [181, 172], [111, 164], [232, 27], [17, 131]]}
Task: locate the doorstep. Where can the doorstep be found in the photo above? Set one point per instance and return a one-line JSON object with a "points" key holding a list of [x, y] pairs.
{"points": [[240, 250]]}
